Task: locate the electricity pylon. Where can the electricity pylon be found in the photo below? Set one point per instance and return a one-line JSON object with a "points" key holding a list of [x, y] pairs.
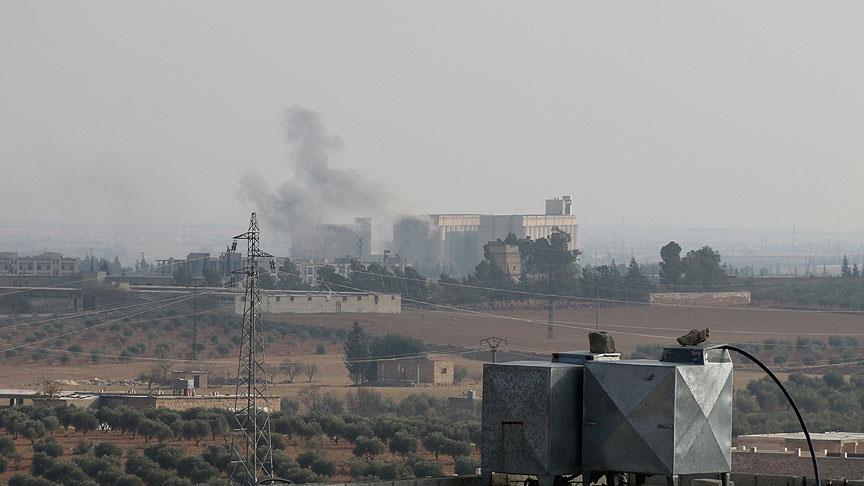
{"points": [[251, 448]]}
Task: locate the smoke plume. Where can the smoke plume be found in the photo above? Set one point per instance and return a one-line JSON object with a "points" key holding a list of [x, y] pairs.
{"points": [[317, 192]]}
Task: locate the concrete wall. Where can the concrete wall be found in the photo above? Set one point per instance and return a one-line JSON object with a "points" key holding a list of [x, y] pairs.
{"points": [[325, 303], [789, 464], [173, 402], [448, 481], [722, 299], [439, 373], [415, 371]]}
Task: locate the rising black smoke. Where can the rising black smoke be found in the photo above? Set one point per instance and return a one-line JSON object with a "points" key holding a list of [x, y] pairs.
{"points": [[317, 192]]}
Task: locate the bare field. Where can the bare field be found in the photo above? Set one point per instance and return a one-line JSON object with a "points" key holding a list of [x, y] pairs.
{"points": [[525, 331], [631, 326]]}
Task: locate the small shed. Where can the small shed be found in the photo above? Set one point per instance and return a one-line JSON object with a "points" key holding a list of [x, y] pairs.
{"points": [[198, 378]]}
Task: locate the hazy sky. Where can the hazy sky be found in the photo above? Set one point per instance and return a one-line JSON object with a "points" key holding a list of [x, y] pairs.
{"points": [[721, 114]]}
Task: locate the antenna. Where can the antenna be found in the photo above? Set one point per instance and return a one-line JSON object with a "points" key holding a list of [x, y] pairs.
{"points": [[251, 447]]}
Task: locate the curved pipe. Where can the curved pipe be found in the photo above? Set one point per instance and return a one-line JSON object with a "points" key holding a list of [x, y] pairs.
{"points": [[791, 402], [273, 480]]}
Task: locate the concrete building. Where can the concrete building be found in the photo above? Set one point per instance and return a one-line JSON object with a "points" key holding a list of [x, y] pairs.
{"points": [[296, 302], [47, 264], [418, 371], [48, 299], [456, 240], [507, 258], [198, 379]]}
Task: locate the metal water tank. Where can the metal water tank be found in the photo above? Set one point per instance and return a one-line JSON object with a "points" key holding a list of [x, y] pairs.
{"points": [[531, 421], [667, 417]]}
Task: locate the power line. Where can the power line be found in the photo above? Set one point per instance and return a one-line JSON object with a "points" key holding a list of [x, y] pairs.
{"points": [[83, 314], [592, 299]]}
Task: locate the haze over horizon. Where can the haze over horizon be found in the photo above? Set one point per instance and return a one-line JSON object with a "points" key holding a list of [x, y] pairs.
{"points": [[677, 115]]}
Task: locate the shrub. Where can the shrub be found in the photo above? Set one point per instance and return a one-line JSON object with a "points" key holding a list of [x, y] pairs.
{"points": [[368, 447], [464, 465], [166, 457], [321, 349], [7, 446], [49, 447], [23, 480], [324, 467], [289, 406], [196, 469], [219, 457], [423, 468], [108, 449], [403, 443]]}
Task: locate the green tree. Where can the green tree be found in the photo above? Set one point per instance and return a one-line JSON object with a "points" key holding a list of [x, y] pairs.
{"points": [[671, 268], [108, 449], [637, 282], [436, 443], [403, 443], [355, 351], [702, 267], [465, 465], [368, 447], [845, 270], [195, 469]]}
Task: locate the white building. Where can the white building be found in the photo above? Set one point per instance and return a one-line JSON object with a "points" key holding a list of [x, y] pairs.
{"points": [[457, 240]]}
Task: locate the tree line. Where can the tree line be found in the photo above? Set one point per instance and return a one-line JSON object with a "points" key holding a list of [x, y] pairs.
{"points": [[372, 424]]}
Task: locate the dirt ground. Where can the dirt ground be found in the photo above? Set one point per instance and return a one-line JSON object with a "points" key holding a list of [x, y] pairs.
{"points": [[525, 331]]}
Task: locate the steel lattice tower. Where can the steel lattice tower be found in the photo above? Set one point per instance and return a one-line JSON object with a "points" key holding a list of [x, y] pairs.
{"points": [[251, 448]]}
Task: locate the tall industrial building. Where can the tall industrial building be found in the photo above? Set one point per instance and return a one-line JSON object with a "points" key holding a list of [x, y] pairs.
{"points": [[455, 241], [327, 242]]}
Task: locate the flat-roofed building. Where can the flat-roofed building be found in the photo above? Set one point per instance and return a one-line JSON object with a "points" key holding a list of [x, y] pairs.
{"points": [[50, 264], [456, 240]]}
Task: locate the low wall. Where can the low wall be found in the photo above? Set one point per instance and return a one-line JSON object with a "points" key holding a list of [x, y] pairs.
{"points": [[790, 464], [448, 481], [722, 299], [325, 303], [739, 479], [173, 402]]}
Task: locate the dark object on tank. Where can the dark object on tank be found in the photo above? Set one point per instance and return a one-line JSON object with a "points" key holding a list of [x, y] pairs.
{"points": [[601, 342], [580, 357], [694, 337], [696, 355]]}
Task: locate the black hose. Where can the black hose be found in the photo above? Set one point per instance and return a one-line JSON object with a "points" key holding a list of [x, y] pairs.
{"points": [[791, 402], [274, 480]]}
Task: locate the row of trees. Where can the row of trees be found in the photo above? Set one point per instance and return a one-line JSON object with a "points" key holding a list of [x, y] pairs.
{"points": [[698, 267], [373, 424], [549, 265]]}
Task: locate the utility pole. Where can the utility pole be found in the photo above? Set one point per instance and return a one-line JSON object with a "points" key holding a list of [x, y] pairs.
{"points": [[597, 309], [194, 320], [493, 343], [251, 446], [551, 316]]}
